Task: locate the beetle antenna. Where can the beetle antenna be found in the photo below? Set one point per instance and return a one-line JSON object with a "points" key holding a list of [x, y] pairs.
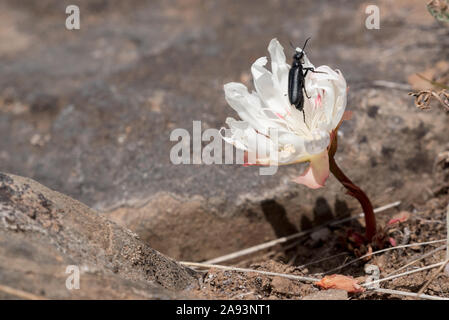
{"points": [[305, 43]]}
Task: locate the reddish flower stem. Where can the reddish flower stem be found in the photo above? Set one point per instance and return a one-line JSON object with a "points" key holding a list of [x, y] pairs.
{"points": [[356, 192]]}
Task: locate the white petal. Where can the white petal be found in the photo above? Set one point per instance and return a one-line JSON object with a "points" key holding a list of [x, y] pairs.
{"points": [[235, 135], [328, 100], [279, 67], [325, 73], [248, 106], [297, 142], [272, 129], [319, 143], [268, 90], [339, 111], [307, 63], [263, 148], [341, 101]]}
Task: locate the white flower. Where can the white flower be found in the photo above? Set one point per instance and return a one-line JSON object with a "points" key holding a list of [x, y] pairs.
{"points": [[272, 131]]}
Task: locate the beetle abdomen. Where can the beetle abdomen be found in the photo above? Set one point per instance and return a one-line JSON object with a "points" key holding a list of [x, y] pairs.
{"points": [[295, 95]]}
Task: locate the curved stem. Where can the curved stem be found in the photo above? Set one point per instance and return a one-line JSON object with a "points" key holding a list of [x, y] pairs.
{"points": [[356, 192]]}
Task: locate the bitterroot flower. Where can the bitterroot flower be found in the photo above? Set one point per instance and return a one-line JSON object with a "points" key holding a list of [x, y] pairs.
{"points": [[272, 131]]}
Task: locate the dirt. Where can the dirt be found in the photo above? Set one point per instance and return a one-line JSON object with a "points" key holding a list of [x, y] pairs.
{"points": [[424, 223]]}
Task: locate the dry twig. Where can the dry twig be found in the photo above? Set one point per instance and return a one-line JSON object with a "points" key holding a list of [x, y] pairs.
{"points": [[367, 284], [383, 250], [428, 254], [392, 85], [410, 294], [439, 9], [268, 273], [20, 294], [424, 287], [424, 98]]}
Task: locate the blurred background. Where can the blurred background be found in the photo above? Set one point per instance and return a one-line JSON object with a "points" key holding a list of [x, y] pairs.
{"points": [[89, 112]]}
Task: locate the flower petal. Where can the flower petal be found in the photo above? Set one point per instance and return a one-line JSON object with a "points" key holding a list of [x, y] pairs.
{"points": [[325, 73], [319, 142], [247, 106], [268, 90], [341, 101], [236, 134], [273, 129], [279, 67], [316, 174], [332, 88]]}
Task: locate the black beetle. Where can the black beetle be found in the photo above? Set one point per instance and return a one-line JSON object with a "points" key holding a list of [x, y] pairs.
{"points": [[296, 79]]}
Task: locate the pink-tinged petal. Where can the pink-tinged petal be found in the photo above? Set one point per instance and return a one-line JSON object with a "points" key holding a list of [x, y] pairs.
{"points": [[317, 173], [319, 101], [392, 241], [400, 217]]}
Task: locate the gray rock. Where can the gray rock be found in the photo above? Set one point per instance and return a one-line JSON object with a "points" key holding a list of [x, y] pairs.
{"points": [[42, 232], [89, 113]]}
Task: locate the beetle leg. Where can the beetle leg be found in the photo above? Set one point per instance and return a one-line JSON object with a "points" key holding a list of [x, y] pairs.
{"points": [[307, 70], [313, 70], [304, 87]]}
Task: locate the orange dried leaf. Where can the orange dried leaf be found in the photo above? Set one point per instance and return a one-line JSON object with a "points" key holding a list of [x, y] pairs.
{"points": [[338, 281]]}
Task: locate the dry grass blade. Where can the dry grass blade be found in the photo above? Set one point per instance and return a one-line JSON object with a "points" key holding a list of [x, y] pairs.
{"points": [[257, 248], [20, 294], [392, 85], [410, 294], [321, 260], [283, 275], [403, 274], [424, 287], [428, 254], [434, 83], [383, 250], [269, 254]]}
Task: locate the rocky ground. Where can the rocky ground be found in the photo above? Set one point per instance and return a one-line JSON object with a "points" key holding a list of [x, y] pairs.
{"points": [[325, 253], [89, 113], [42, 232]]}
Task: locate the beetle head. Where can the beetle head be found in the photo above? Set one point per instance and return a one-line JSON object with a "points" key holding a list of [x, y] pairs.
{"points": [[299, 53]]}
